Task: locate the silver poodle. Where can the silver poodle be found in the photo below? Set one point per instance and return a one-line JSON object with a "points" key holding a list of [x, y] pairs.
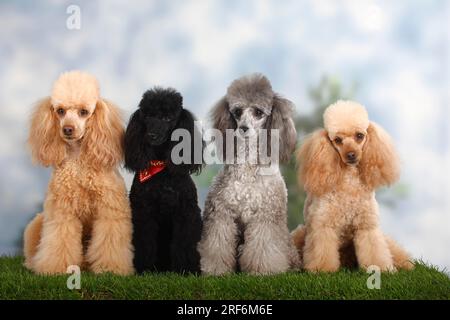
{"points": [[245, 217]]}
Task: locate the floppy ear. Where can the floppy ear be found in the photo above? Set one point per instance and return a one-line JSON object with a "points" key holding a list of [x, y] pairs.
{"points": [[137, 154], [186, 122], [221, 119], [281, 119], [320, 166], [379, 164], [102, 146], [47, 147]]}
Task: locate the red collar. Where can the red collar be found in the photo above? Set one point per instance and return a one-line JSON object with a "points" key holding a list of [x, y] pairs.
{"points": [[153, 168]]}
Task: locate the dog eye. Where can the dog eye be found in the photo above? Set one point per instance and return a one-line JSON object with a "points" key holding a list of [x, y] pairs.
{"points": [[258, 113], [84, 112], [237, 113], [359, 136], [338, 140], [61, 111]]}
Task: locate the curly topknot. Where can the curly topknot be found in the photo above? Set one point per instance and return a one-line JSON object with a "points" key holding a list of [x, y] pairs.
{"points": [[344, 115], [161, 97], [74, 88]]}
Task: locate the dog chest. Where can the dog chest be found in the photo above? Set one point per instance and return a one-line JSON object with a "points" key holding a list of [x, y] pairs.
{"points": [[342, 210], [254, 195], [77, 187]]}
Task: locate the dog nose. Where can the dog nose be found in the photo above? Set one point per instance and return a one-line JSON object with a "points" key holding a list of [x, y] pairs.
{"points": [[244, 128], [68, 130], [351, 156], [152, 135]]}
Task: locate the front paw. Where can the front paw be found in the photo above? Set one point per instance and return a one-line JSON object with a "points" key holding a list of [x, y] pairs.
{"points": [[264, 262], [321, 266], [123, 269], [215, 267], [51, 266], [118, 264], [386, 267]]}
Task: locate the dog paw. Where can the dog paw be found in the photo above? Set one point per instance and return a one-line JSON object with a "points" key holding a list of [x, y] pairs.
{"points": [[123, 270], [389, 268], [215, 269], [258, 265], [324, 267], [50, 267]]}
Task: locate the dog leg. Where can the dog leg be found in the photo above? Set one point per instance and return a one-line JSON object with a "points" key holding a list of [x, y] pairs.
{"points": [[60, 245], [372, 249], [187, 228], [110, 248], [145, 232], [266, 249], [31, 239], [321, 250], [217, 247]]}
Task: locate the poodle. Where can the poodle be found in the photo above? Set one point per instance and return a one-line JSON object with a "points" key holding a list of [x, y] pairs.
{"points": [[86, 219], [341, 166], [165, 213], [245, 218]]}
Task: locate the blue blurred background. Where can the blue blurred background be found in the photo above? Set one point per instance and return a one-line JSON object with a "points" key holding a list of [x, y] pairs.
{"points": [[392, 56]]}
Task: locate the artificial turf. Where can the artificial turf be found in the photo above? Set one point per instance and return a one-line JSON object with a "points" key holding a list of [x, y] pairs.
{"points": [[424, 282]]}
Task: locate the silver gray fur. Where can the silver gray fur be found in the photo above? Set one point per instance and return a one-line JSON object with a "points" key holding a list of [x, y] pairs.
{"points": [[242, 202]]}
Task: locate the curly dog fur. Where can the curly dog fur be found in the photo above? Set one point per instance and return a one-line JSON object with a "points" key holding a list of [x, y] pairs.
{"points": [[245, 218], [166, 217], [86, 219], [341, 166]]}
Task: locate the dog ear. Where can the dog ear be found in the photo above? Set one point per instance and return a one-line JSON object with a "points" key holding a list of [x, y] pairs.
{"points": [[320, 167], [137, 154], [222, 120], [102, 145], [281, 119], [47, 147], [186, 122], [379, 165]]}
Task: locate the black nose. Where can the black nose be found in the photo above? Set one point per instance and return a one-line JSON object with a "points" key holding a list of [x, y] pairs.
{"points": [[68, 130], [351, 156], [152, 135], [244, 128]]}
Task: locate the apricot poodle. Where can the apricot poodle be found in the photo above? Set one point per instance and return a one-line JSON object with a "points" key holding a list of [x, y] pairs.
{"points": [[86, 219], [340, 169]]}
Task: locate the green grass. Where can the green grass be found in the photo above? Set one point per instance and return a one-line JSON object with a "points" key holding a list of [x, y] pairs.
{"points": [[424, 282]]}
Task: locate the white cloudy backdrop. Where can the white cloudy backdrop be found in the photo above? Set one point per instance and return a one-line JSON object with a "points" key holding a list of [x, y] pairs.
{"points": [[398, 52]]}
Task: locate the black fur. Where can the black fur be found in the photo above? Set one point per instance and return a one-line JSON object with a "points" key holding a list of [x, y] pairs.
{"points": [[166, 217]]}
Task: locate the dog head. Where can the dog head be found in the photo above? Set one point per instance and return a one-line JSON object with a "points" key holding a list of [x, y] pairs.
{"points": [[159, 111], [346, 123], [75, 114], [149, 132], [74, 98], [251, 105], [349, 140]]}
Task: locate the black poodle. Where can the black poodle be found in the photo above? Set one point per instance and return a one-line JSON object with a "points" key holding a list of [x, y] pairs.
{"points": [[166, 217]]}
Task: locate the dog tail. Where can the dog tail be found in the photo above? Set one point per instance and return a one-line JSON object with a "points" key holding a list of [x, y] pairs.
{"points": [[32, 237], [298, 237], [402, 259]]}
